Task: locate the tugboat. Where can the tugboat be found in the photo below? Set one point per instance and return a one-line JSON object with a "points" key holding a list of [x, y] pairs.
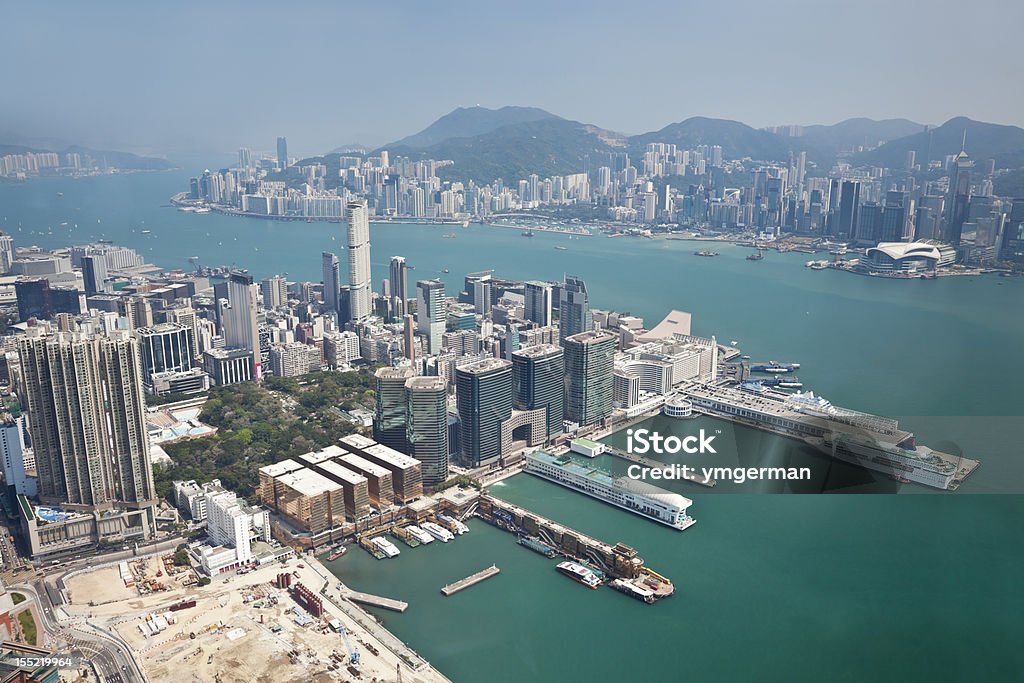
{"points": [[756, 257]]}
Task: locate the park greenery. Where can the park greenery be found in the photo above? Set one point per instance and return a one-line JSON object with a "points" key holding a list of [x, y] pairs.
{"points": [[260, 424]]}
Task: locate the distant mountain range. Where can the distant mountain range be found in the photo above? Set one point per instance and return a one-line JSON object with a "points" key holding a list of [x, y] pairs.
{"points": [[122, 160], [512, 142]]}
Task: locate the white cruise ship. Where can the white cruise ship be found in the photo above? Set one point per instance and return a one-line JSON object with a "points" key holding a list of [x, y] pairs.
{"points": [[638, 497], [438, 532], [917, 464], [386, 546], [419, 534]]}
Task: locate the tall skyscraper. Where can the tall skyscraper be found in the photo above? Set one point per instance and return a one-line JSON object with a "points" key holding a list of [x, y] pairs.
{"points": [[958, 199], [241, 324], [332, 280], [87, 419], [849, 205], [358, 217], [389, 423], [589, 362], [484, 400], [427, 426], [431, 312], [538, 381], [574, 309], [282, 153], [409, 337], [94, 274], [399, 284], [538, 302]]}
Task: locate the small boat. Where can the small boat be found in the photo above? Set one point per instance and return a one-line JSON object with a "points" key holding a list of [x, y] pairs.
{"points": [[561, 248], [419, 534], [527, 233], [338, 552], [445, 270], [580, 574], [438, 531], [146, 232], [705, 253]]}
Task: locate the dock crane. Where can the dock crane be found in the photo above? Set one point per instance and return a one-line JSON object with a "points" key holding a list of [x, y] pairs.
{"points": [[353, 656]]}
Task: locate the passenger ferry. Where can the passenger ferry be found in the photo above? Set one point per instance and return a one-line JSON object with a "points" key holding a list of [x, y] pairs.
{"points": [[580, 574], [419, 534], [438, 531], [638, 497], [454, 525], [386, 546]]}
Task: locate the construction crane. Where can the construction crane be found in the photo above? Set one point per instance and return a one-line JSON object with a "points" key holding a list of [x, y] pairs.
{"points": [[353, 656]]}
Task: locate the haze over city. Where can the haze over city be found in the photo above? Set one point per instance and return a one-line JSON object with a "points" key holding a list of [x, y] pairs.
{"points": [[200, 78]]}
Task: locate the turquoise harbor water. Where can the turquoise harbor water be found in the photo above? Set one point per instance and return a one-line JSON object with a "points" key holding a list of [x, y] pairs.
{"points": [[818, 587]]}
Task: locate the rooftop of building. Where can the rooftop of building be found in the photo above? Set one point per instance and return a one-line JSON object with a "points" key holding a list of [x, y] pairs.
{"points": [[426, 383], [390, 455], [335, 468], [363, 465], [485, 366], [592, 337], [279, 468], [538, 351], [394, 373], [306, 482]]}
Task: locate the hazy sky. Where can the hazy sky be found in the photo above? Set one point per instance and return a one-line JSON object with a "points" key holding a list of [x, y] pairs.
{"points": [[211, 76]]}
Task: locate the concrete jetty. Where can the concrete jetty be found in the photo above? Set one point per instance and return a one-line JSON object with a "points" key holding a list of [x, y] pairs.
{"points": [[462, 584], [375, 600]]}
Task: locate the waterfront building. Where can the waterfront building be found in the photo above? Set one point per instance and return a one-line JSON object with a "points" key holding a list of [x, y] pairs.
{"points": [[589, 364], [406, 472], [484, 400], [378, 479], [573, 308], [907, 257], [431, 313], [358, 239], [427, 426], [84, 397], [538, 374]]}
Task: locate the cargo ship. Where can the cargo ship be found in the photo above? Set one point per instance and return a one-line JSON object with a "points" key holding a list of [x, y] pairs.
{"points": [[635, 496], [438, 532], [385, 546], [580, 574], [633, 590], [419, 534]]}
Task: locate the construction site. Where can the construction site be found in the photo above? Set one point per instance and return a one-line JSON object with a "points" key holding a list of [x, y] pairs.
{"points": [[282, 622]]}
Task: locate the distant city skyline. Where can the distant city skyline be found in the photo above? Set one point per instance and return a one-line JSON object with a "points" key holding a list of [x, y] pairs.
{"points": [[177, 82]]}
